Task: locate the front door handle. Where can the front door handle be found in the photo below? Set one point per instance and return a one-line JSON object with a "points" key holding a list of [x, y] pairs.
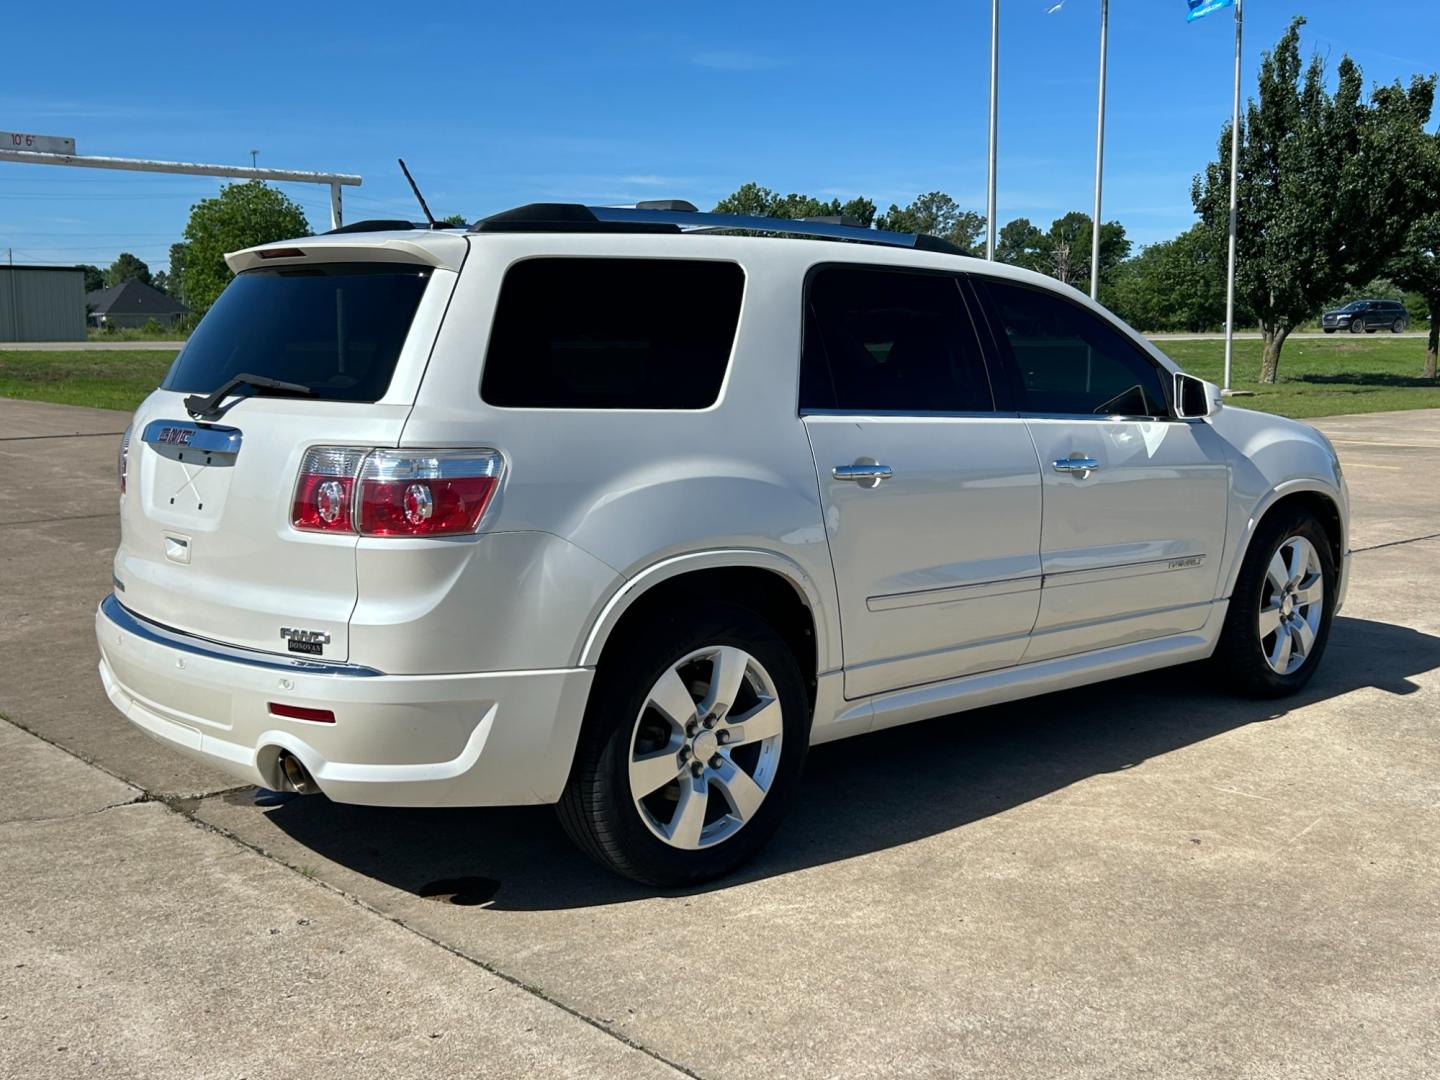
{"points": [[1082, 465], [865, 474]]}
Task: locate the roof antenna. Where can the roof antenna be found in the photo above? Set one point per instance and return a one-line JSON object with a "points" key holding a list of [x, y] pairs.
{"points": [[419, 198]]}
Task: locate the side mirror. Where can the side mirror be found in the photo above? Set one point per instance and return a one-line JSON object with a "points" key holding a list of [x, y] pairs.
{"points": [[1195, 398]]}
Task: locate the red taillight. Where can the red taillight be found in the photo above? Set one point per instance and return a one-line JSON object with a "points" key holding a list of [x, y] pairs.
{"points": [[395, 492], [325, 492], [299, 712], [122, 459]]}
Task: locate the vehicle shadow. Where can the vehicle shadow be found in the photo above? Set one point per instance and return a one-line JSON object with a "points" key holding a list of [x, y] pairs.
{"points": [[859, 795]]}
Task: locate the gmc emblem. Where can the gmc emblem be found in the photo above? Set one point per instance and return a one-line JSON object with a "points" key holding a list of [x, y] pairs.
{"points": [[172, 436]]}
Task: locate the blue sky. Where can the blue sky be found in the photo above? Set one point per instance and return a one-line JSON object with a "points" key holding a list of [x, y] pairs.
{"points": [[497, 105]]}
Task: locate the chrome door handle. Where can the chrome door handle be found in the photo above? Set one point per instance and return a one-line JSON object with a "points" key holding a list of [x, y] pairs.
{"points": [[1081, 465], [865, 475]]}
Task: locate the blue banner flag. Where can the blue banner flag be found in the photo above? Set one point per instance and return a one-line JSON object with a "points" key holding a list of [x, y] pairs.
{"points": [[1205, 7]]}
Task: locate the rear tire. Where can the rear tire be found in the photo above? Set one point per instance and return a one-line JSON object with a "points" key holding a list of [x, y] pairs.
{"points": [[1329, 329], [672, 784], [1398, 326], [1278, 622]]}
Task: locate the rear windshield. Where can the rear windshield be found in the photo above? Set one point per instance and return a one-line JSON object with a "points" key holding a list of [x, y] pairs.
{"points": [[612, 334], [337, 328]]}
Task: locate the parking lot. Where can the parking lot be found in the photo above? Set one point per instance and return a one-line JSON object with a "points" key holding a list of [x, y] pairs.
{"points": [[1144, 878]]}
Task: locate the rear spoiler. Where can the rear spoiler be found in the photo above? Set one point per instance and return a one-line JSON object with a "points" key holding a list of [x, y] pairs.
{"points": [[439, 249]]}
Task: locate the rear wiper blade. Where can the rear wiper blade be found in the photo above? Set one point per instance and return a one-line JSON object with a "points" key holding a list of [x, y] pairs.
{"points": [[201, 406]]}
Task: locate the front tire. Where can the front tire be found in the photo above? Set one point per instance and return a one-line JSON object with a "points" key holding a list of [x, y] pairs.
{"points": [[1278, 621], [692, 747], [1328, 329], [1357, 326]]}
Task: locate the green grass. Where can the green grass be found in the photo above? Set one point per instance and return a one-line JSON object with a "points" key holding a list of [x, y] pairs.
{"points": [[101, 379], [1322, 377], [1325, 377], [135, 333]]}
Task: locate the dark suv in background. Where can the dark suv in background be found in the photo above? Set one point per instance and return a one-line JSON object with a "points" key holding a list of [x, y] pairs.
{"points": [[1367, 315]]}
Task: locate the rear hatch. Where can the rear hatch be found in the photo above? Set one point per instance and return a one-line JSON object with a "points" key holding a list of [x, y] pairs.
{"points": [[207, 544]]}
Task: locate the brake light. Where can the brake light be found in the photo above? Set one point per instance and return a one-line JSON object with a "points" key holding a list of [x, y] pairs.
{"points": [[394, 492], [325, 492], [122, 459], [426, 493]]}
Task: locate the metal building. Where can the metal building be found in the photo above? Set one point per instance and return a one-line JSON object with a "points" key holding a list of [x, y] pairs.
{"points": [[42, 303]]}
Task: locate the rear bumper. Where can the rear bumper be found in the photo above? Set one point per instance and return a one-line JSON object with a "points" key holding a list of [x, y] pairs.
{"points": [[493, 739]]}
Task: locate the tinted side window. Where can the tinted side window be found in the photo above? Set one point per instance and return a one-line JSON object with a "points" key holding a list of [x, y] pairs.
{"points": [[612, 334], [1070, 361], [890, 341]]}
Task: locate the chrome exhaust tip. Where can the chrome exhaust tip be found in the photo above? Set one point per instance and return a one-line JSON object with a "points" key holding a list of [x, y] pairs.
{"points": [[294, 776]]}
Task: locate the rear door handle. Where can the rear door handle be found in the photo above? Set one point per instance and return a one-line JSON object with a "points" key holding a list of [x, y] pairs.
{"points": [[864, 475], [1081, 465]]}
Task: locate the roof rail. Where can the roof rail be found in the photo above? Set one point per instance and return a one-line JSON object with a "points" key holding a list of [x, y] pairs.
{"points": [[651, 218]]}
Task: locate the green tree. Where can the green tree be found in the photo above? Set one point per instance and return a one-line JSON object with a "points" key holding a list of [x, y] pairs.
{"points": [[752, 200], [241, 216], [453, 219], [1176, 284], [127, 268], [939, 215], [94, 277], [1021, 243], [1328, 186], [1417, 269], [161, 281]]}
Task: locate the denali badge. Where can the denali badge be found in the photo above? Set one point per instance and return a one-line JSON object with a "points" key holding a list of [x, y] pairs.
{"points": [[312, 642]]}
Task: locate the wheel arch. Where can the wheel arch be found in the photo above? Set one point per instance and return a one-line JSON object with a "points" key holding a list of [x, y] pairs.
{"points": [[769, 584], [1314, 496]]}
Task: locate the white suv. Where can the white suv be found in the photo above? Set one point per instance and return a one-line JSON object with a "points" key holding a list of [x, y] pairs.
{"points": [[623, 509]]}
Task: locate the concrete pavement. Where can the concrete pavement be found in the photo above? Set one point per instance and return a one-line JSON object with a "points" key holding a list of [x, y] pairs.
{"points": [[86, 346], [1142, 879]]}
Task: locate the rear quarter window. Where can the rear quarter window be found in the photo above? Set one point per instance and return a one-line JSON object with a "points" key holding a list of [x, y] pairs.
{"points": [[573, 333], [336, 328]]}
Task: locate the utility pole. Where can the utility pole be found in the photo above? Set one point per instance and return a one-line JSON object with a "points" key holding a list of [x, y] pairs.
{"points": [[994, 127], [1099, 156], [254, 154], [1234, 177]]}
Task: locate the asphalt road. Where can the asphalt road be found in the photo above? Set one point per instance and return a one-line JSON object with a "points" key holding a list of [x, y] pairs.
{"points": [[1140, 879]]}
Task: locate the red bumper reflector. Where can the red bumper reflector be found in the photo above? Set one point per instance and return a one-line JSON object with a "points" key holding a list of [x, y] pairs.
{"points": [[299, 712]]}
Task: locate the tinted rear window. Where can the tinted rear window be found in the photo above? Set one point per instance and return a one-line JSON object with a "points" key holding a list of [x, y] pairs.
{"points": [[336, 328], [612, 334]]}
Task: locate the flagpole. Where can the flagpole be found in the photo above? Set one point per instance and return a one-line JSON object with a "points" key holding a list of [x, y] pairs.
{"points": [[1099, 156], [1234, 177], [994, 128]]}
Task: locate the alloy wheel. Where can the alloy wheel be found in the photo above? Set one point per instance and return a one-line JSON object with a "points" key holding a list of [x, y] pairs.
{"points": [[705, 747], [1292, 602]]}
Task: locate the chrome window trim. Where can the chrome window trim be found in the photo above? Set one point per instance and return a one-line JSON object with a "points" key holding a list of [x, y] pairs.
{"points": [[1117, 418], [890, 414], [124, 619]]}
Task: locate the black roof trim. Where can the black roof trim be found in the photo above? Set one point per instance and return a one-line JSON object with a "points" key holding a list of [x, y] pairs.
{"points": [[562, 217], [677, 216]]}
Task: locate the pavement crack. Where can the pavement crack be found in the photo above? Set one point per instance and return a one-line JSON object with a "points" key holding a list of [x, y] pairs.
{"points": [[1397, 543], [484, 965], [46, 521], [141, 797]]}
